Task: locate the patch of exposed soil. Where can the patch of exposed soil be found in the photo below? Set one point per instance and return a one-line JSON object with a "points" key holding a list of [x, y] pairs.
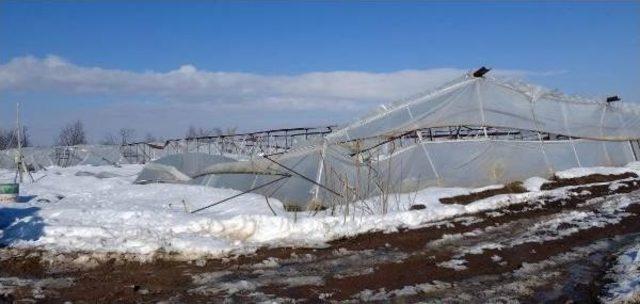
{"points": [[515, 187], [557, 182]]}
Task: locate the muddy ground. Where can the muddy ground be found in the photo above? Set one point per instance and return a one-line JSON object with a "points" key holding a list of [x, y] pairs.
{"points": [[554, 249]]}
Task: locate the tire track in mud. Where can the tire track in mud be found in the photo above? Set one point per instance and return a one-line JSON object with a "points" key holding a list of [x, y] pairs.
{"points": [[437, 261]]}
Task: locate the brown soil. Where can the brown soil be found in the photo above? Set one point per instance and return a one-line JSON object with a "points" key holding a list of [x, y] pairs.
{"points": [[589, 179], [515, 187]]}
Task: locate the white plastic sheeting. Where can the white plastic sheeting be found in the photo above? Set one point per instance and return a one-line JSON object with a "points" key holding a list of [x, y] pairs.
{"points": [[40, 157], [336, 171], [178, 168], [489, 102], [483, 162], [97, 155], [469, 163], [329, 172], [318, 175]]}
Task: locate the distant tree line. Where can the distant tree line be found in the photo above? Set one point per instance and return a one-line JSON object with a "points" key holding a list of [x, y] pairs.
{"points": [[126, 136], [193, 132], [73, 134], [9, 138]]}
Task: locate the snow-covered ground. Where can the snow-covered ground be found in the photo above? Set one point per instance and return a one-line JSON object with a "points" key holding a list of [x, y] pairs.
{"points": [[99, 209], [625, 277], [73, 210], [578, 172]]}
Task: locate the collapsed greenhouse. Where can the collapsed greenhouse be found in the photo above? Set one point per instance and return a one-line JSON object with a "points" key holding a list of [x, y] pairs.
{"points": [[473, 131]]}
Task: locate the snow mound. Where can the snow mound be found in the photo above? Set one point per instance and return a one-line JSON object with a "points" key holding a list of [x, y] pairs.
{"points": [[534, 183], [99, 209], [77, 209]]}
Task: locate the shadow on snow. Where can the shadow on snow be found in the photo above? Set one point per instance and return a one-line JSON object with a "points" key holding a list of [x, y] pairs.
{"points": [[19, 224]]}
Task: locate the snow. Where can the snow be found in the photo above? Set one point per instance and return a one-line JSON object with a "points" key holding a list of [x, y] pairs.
{"points": [[95, 212], [382, 295], [215, 282], [615, 186], [580, 172], [625, 276], [113, 214], [534, 183], [98, 209], [271, 262], [553, 227], [634, 166], [577, 221], [9, 284], [455, 264]]}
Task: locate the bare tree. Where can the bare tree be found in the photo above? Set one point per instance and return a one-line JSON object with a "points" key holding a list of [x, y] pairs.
{"points": [[72, 135], [150, 138], [9, 138], [216, 132], [5, 139], [109, 140], [126, 135], [231, 131], [193, 132]]}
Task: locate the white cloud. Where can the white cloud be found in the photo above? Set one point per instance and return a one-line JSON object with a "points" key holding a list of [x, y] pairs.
{"points": [[187, 84], [167, 102]]}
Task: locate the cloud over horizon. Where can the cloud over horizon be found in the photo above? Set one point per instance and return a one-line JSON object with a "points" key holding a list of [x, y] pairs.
{"points": [[189, 93]]}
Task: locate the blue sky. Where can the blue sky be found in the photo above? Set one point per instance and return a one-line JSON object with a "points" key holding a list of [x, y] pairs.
{"points": [[589, 48]]}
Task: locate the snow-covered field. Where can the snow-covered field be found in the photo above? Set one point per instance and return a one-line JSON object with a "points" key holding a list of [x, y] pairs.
{"points": [[99, 209]]}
